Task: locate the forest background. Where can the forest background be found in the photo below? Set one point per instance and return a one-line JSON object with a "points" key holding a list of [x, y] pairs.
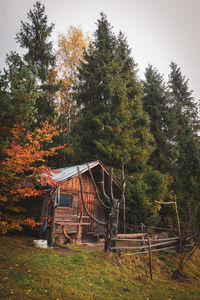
{"points": [[86, 102]]}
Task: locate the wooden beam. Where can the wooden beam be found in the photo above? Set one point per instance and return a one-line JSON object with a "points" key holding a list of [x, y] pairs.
{"points": [[171, 202], [70, 223], [154, 250], [131, 235]]}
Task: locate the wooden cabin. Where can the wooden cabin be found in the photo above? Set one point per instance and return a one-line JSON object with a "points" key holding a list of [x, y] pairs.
{"points": [[71, 221]]}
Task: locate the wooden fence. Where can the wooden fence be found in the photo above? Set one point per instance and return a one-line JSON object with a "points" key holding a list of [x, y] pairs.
{"points": [[146, 243]]}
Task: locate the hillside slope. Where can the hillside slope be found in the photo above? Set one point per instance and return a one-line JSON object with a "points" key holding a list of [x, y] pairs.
{"points": [[30, 273]]}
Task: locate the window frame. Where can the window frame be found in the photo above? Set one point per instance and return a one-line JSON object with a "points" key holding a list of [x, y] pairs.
{"points": [[58, 197]]}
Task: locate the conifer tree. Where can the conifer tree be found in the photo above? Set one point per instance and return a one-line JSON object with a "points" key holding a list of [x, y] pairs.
{"points": [[155, 103], [111, 125], [183, 132], [34, 36], [18, 95]]}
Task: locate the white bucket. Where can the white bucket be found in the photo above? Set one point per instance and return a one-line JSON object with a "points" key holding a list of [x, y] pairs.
{"points": [[40, 243]]}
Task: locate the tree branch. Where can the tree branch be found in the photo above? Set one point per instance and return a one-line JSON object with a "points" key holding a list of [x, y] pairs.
{"points": [[97, 193], [83, 201], [103, 187]]}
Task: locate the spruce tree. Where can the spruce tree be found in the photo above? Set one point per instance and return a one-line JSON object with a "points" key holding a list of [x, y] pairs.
{"points": [[183, 133], [111, 124], [18, 95], [34, 36], [18, 90], [155, 103]]}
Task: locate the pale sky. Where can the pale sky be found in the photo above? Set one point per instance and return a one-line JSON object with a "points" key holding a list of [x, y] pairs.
{"points": [[158, 31]]}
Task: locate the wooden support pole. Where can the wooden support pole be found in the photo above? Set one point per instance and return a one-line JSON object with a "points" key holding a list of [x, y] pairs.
{"points": [[83, 202], [178, 222], [123, 199], [142, 231], [177, 217], [150, 258], [107, 242]]}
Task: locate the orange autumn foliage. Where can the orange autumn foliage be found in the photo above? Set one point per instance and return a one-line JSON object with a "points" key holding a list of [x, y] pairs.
{"points": [[23, 172]]}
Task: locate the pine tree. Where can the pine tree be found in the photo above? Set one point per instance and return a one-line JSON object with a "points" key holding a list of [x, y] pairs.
{"points": [[181, 97], [18, 95], [155, 103], [183, 132], [34, 36], [111, 125]]}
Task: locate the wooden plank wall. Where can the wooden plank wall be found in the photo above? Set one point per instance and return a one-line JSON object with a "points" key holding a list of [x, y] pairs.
{"points": [[61, 213]]}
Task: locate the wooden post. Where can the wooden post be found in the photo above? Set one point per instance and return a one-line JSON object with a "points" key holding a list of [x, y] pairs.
{"points": [[114, 210], [142, 231], [114, 222], [44, 213], [150, 257], [52, 229], [123, 199], [107, 233], [178, 222], [177, 217]]}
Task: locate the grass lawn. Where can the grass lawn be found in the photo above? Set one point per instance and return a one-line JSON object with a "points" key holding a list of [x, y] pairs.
{"points": [[31, 273]]}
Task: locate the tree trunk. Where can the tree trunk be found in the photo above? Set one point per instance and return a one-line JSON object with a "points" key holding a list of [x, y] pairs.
{"points": [[107, 232], [52, 228], [114, 222]]}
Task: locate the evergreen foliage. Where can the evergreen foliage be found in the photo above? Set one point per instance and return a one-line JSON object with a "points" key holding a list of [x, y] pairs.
{"points": [[111, 124], [155, 103], [34, 36], [108, 114], [18, 95], [183, 132]]}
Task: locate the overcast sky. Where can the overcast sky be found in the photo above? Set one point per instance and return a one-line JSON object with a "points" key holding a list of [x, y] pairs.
{"points": [[158, 31]]}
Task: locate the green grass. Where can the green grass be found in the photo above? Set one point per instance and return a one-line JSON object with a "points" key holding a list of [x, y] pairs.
{"points": [[30, 273]]}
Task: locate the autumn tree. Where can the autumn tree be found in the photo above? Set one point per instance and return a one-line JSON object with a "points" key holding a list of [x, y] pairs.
{"points": [[68, 58], [22, 171]]}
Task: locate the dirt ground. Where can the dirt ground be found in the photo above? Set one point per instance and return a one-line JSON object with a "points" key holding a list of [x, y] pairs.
{"points": [[63, 249]]}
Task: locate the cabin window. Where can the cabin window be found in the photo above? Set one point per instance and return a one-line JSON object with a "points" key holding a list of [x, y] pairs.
{"points": [[64, 198]]}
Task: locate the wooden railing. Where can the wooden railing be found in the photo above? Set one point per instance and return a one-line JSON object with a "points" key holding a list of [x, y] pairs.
{"points": [[143, 239]]}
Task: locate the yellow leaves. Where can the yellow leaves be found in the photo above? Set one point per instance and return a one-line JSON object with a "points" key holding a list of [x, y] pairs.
{"points": [[68, 57], [3, 198], [70, 50]]}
